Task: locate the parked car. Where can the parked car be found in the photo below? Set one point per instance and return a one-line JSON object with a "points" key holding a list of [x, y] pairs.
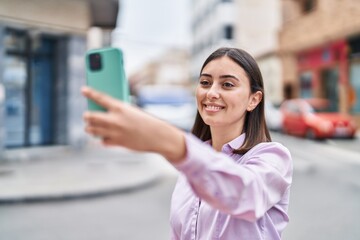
{"points": [[310, 118], [273, 117], [181, 116]]}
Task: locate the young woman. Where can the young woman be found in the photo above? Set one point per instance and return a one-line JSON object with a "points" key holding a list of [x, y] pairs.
{"points": [[234, 182]]}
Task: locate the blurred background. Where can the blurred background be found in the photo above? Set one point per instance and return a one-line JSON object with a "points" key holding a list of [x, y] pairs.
{"points": [[308, 52]]}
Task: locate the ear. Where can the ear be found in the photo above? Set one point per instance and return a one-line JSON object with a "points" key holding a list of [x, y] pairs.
{"points": [[254, 100]]}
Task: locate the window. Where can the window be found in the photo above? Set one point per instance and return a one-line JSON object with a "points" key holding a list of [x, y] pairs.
{"points": [[306, 84], [228, 32], [354, 94], [308, 5], [29, 94]]}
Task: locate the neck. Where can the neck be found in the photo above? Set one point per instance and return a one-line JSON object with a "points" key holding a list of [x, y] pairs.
{"points": [[219, 137]]}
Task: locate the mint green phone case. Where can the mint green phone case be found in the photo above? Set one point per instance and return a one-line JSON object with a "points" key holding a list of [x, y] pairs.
{"points": [[105, 73]]}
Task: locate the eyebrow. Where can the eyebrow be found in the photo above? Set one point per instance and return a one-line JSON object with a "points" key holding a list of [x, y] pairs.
{"points": [[222, 76]]}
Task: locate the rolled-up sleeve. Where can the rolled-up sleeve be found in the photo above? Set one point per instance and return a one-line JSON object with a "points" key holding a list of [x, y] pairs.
{"points": [[246, 187]]}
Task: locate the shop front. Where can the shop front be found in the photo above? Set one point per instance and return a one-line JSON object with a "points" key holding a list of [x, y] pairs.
{"points": [[323, 73], [30, 98], [35, 78], [42, 49]]}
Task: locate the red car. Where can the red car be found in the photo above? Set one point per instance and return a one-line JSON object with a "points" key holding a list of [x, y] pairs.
{"points": [[309, 118]]}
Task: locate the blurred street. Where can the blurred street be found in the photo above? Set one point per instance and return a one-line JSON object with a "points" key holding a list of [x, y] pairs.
{"points": [[306, 50], [326, 189], [324, 202]]}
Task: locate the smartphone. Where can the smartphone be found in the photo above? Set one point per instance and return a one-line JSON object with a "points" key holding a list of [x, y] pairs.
{"points": [[105, 73]]}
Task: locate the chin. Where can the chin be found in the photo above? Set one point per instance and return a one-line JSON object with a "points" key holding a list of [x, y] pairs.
{"points": [[213, 123]]}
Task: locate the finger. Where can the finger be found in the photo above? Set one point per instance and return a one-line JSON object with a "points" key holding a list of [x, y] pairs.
{"points": [[108, 138], [99, 119], [109, 142], [100, 132], [102, 99]]}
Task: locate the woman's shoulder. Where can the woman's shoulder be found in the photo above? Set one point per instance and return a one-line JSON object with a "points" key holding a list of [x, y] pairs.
{"points": [[271, 153], [270, 147]]}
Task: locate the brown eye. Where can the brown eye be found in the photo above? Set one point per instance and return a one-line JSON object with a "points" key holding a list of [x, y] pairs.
{"points": [[228, 85], [204, 83]]}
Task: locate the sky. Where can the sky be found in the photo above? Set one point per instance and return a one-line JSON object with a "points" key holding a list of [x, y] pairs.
{"points": [[146, 28]]}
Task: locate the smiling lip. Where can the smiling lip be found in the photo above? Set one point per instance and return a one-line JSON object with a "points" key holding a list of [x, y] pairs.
{"points": [[213, 108]]}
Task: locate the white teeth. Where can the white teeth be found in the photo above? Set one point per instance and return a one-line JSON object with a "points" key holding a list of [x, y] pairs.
{"points": [[213, 108]]}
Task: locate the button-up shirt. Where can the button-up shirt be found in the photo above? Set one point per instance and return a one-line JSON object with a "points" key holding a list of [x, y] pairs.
{"points": [[222, 195]]}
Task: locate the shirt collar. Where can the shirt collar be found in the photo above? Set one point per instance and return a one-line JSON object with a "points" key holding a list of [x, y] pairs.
{"points": [[233, 144]]}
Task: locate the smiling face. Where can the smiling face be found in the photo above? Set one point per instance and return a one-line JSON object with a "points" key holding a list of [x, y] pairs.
{"points": [[223, 95]]}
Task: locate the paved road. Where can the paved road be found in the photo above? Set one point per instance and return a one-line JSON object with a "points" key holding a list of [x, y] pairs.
{"points": [[137, 215], [325, 194], [322, 209]]}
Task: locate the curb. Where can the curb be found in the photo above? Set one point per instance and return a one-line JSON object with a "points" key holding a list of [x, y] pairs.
{"points": [[80, 195], [29, 178]]}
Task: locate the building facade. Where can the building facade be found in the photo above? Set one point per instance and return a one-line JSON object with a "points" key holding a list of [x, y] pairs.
{"points": [[43, 44], [258, 24], [213, 26], [319, 47]]}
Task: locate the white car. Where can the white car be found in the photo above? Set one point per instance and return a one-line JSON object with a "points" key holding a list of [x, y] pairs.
{"points": [[273, 117], [175, 105], [181, 116]]}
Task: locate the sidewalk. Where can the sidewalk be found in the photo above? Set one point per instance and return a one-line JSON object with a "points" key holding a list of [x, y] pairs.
{"points": [[61, 173]]}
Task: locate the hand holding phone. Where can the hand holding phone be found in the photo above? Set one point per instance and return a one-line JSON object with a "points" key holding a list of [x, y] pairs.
{"points": [[105, 73]]}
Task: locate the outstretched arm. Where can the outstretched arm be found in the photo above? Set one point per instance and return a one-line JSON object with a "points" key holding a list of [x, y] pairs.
{"points": [[127, 126]]}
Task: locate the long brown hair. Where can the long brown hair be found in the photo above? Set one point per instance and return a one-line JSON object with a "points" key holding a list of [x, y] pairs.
{"points": [[255, 127]]}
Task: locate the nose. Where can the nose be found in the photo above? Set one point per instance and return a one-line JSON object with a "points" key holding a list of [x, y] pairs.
{"points": [[213, 92]]}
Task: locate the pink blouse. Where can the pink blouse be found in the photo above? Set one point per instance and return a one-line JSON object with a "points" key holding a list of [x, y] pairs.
{"points": [[222, 195]]}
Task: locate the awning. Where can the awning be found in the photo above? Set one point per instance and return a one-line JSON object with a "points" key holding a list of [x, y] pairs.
{"points": [[104, 13]]}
